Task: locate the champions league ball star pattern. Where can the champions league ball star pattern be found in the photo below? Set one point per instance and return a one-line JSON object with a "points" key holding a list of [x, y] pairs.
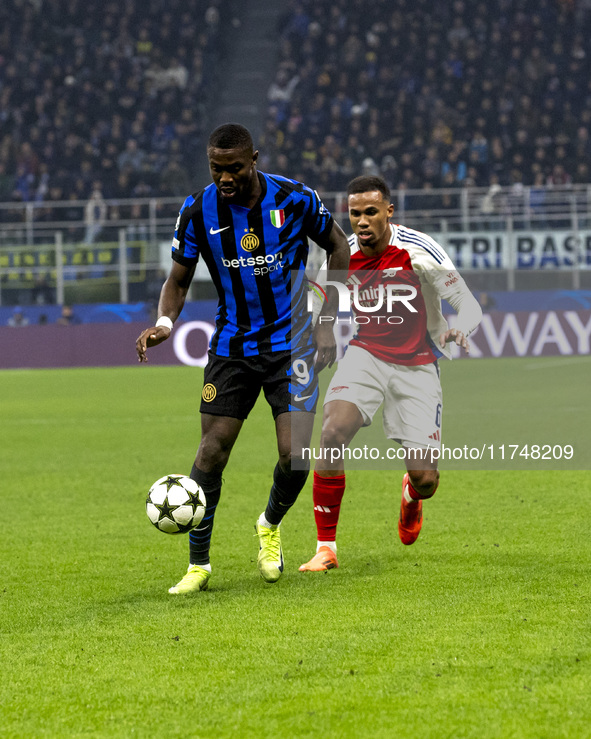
{"points": [[175, 504]]}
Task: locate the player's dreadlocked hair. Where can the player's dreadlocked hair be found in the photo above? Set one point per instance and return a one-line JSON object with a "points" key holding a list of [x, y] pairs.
{"points": [[369, 183], [231, 136]]}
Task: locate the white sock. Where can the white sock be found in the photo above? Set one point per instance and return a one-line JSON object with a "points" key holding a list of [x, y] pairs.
{"points": [[330, 544], [263, 522]]}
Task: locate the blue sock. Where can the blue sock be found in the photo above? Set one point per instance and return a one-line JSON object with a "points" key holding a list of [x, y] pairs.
{"points": [[200, 537], [284, 492]]}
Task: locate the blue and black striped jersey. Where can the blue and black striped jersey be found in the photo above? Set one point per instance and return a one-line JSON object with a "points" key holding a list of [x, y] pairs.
{"points": [[253, 256]]}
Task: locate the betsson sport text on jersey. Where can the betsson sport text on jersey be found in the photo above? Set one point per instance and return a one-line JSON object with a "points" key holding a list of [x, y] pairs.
{"points": [[268, 262]]}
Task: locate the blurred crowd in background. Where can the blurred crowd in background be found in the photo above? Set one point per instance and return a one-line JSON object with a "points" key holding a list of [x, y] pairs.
{"points": [[106, 96], [432, 94], [113, 99]]}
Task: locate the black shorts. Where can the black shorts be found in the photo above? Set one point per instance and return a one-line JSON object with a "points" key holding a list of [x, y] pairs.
{"points": [[231, 385]]}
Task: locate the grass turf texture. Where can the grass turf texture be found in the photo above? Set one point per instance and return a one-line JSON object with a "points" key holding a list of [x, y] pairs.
{"points": [[481, 628]]}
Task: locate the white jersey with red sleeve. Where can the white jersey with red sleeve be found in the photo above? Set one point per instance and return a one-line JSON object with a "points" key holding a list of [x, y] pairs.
{"points": [[440, 280], [415, 273]]}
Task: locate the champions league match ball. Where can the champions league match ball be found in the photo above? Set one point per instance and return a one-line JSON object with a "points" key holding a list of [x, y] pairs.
{"points": [[175, 504]]}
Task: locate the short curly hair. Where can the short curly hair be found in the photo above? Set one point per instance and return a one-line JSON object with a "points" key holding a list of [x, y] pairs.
{"points": [[369, 183], [230, 136]]}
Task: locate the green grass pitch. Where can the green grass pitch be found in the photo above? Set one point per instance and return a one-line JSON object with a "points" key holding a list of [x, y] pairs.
{"points": [[480, 629]]}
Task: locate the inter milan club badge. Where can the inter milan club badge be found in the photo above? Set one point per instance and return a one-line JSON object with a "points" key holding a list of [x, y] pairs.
{"points": [[209, 392], [277, 218]]}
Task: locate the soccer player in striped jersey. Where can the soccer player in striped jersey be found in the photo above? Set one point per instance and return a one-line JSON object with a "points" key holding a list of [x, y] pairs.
{"points": [[252, 230], [391, 361]]}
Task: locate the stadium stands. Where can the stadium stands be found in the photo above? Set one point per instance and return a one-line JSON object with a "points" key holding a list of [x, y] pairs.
{"points": [[429, 94], [442, 94], [106, 92], [478, 115]]}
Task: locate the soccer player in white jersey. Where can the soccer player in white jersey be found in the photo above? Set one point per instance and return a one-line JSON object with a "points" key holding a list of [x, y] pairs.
{"points": [[392, 361]]}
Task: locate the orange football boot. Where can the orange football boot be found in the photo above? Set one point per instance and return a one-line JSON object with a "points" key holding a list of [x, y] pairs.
{"points": [[411, 517], [324, 559]]}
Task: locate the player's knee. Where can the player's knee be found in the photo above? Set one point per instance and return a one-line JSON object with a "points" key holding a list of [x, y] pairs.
{"points": [[424, 482], [290, 462], [213, 453], [285, 460], [334, 437]]}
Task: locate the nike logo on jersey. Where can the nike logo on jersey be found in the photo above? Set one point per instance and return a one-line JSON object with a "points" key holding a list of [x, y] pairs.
{"points": [[213, 231], [297, 398]]}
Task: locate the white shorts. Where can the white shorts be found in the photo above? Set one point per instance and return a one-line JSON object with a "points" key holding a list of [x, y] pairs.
{"points": [[411, 396]]}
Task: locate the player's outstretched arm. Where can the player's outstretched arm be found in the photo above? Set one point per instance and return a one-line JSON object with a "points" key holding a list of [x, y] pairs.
{"points": [[172, 299], [339, 253]]}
